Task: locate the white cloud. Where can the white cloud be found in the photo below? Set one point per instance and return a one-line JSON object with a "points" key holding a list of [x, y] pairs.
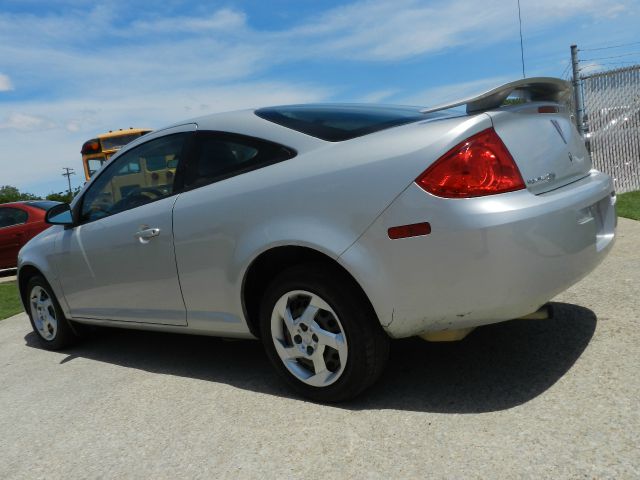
{"points": [[380, 30], [224, 20], [25, 122], [29, 163], [5, 83], [377, 96], [449, 93], [591, 67]]}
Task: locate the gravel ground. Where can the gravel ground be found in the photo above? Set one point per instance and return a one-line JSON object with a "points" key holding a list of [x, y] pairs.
{"points": [[557, 399]]}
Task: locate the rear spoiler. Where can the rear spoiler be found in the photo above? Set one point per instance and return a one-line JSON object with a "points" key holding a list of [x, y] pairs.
{"points": [[535, 89]]}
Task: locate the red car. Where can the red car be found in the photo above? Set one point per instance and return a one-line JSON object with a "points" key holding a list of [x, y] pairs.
{"points": [[19, 223]]}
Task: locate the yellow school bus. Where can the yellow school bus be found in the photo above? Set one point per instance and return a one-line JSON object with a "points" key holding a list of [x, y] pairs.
{"points": [[96, 152]]}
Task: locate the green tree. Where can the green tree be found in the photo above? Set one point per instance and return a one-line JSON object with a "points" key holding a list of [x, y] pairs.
{"points": [[9, 193], [64, 197]]}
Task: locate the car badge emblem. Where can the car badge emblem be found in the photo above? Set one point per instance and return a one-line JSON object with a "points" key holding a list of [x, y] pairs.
{"points": [[549, 177]]}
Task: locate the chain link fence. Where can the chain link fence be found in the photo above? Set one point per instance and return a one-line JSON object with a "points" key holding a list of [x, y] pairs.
{"points": [[612, 124]]}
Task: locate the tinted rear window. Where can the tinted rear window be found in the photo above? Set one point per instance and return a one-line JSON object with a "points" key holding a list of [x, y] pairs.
{"points": [[336, 123]]}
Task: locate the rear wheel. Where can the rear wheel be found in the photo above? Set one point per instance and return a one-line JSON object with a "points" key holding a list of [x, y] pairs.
{"points": [[321, 335], [52, 328]]}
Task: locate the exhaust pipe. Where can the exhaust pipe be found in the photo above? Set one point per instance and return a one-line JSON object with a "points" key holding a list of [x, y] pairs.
{"points": [[545, 312]]}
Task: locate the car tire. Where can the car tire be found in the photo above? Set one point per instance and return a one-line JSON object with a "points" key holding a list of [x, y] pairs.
{"points": [[321, 334], [53, 330]]}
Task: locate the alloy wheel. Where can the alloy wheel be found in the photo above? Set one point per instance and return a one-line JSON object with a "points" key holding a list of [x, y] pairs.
{"points": [[43, 313], [309, 338]]}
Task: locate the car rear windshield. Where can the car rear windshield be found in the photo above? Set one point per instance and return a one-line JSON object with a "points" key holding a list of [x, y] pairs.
{"points": [[336, 123], [43, 204]]}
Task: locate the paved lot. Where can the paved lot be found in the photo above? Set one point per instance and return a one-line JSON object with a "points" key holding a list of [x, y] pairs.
{"points": [[555, 399]]}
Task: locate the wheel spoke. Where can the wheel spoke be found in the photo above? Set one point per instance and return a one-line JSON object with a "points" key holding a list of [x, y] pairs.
{"points": [[288, 320], [319, 303], [308, 315], [286, 351], [282, 308], [320, 367], [329, 339]]}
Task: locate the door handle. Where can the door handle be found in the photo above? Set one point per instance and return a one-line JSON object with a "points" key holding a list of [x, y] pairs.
{"points": [[147, 233]]}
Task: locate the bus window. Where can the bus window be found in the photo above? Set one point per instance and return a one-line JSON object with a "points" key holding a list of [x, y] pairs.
{"points": [[94, 164]]}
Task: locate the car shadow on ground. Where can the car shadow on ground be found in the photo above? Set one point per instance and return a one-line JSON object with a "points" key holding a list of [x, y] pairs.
{"points": [[495, 368]]}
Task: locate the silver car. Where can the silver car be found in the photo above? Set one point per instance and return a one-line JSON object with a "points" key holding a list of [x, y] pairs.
{"points": [[327, 230]]}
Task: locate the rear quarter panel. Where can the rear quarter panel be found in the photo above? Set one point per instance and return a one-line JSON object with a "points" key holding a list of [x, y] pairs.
{"points": [[324, 198]]}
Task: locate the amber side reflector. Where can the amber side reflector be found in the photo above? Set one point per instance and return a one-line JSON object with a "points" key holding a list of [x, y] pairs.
{"points": [[413, 230], [548, 109]]}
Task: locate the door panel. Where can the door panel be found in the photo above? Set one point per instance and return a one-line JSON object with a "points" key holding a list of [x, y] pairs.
{"points": [[119, 263], [12, 234], [110, 272], [11, 240]]}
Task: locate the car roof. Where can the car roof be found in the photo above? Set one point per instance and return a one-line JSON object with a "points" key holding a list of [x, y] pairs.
{"points": [[250, 122], [31, 203]]}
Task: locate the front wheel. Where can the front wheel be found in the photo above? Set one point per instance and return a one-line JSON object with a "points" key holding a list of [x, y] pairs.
{"points": [[47, 319], [321, 334]]}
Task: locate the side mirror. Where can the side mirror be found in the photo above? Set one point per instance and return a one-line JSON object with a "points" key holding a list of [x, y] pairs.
{"points": [[59, 215]]}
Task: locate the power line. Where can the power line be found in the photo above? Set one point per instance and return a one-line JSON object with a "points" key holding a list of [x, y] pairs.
{"points": [[609, 47], [521, 45], [614, 56]]}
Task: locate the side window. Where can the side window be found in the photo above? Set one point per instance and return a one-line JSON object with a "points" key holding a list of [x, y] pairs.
{"points": [[219, 155], [140, 176], [12, 216]]}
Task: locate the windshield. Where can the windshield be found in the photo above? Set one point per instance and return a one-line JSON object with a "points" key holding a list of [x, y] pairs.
{"points": [[117, 142]]}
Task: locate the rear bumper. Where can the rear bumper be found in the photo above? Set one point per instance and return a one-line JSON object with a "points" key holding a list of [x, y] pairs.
{"points": [[487, 259]]}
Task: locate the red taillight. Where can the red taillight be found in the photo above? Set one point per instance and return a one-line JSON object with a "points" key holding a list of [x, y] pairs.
{"points": [[481, 165]]}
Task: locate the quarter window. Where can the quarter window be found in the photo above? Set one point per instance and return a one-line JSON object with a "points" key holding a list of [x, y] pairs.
{"points": [[219, 155], [12, 216], [139, 176]]}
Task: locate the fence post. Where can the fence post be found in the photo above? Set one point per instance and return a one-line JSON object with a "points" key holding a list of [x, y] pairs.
{"points": [[577, 92]]}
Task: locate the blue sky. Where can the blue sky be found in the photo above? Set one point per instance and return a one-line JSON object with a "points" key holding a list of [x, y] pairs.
{"points": [[70, 69]]}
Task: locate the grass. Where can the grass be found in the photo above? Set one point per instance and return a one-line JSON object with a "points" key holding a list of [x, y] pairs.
{"points": [[10, 303], [628, 205]]}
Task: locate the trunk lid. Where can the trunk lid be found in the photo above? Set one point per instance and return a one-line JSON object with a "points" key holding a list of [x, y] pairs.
{"points": [[544, 143]]}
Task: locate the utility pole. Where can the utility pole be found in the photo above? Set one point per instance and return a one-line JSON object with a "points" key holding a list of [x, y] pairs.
{"points": [[577, 92], [67, 173]]}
